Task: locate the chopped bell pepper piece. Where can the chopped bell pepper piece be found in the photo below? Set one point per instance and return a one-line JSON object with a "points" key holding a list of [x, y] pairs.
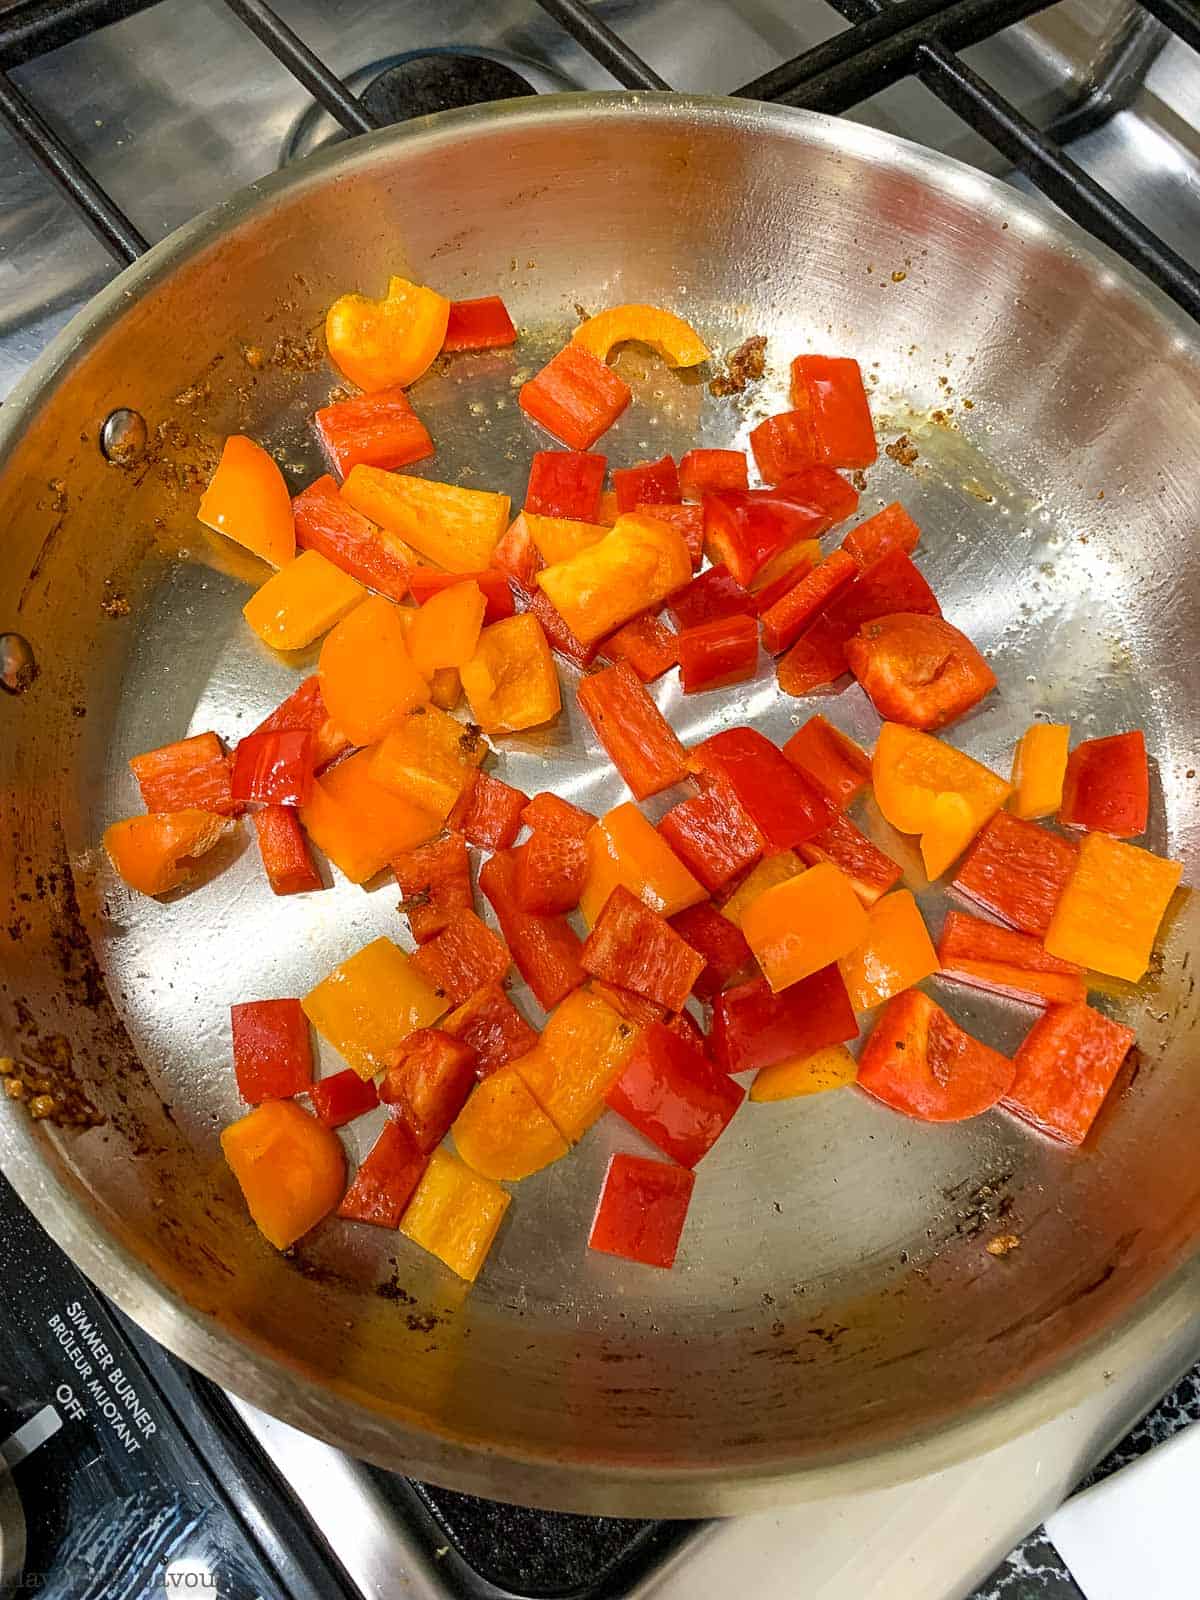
{"points": [[480, 324], [711, 595], [157, 852], [638, 563], [445, 688], [379, 430], [703, 472], [554, 538], [454, 528], [368, 680], [493, 1027], [502, 1132], [517, 556], [607, 513], [370, 1003], [624, 848], [565, 483], [830, 760], [489, 812], [555, 815], [717, 654], [831, 389], [1039, 767], [1017, 871], [823, 488], [190, 775], [559, 636], [871, 873], [455, 1214], [424, 582], [830, 1068], [276, 768], [804, 924], [1108, 915], [1065, 1066], [784, 444], [772, 870], [723, 945], [551, 871], [581, 1053], [642, 1209], [651, 483], [817, 659], [896, 953], [784, 805], [435, 880], [633, 946], [636, 1008], [545, 949], [924, 786], [305, 708], [247, 500], [360, 825], [673, 1095], [919, 1061], [342, 1097], [386, 1179], [1106, 788], [301, 601], [464, 956], [272, 1052], [669, 336], [286, 859], [640, 741], [753, 1028], [713, 834], [575, 397], [290, 1168], [771, 593], [786, 620], [381, 343], [688, 522], [328, 526], [445, 630], [917, 670], [758, 533], [1002, 961], [429, 759], [511, 682], [646, 644], [889, 529], [427, 1082]]}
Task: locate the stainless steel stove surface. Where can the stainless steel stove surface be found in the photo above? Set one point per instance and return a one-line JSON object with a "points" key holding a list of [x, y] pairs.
{"points": [[174, 107]]}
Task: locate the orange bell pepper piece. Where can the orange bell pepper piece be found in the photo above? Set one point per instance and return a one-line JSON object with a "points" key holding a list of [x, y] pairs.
{"points": [[927, 787], [248, 501], [502, 1132], [429, 759], [370, 1003], [829, 1068], [624, 848], [580, 1055], [290, 1168], [638, 563], [804, 924], [359, 824], [669, 336], [764, 875], [511, 682], [896, 953], [455, 1214], [454, 528], [445, 688], [156, 853], [1108, 915], [558, 538], [1039, 766], [368, 680], [302, 601], [445, 630], [381, 343]]}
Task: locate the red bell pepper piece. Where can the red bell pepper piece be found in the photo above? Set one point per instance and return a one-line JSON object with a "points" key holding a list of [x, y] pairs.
{"points": [[646, 644], [787, 618], [556, 630], [482, 324], [1065, 1066], [276, 767], [575, 397], [831, 389], [272, 1049], [286, 858], [784, 444], [721, 942], [1107, 786], [304, 708], [889, 529], [640, 741], [191, 774], [343, 1097], [551, 871], [919, 1061], [711, 595], [870, 871], [786, 808], [330, 525], [636, 1008], [673, 1095], [565, 483], [823, 488], [633, 946], [919, 671], [435, 880], [688, 521], [703, 471], [1017, 871], [425, 582], [713, 834], [518, 558], [829, 759], [427, 1083], [816, 660], [379, 429], [546, 949], [717, 654], [754, 1028], [464, 956], [642, 1210], [770, 594], [488, 812], [652, 483], [747, 528], [493, 1027], [556, 815], [386, 1179], [1002, 961]]}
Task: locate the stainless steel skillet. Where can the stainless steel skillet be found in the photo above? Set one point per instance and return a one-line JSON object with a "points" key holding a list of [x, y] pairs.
{"points": [[835, 1319]]}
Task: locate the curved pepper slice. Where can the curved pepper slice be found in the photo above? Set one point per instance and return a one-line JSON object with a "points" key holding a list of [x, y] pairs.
{"points": [[290, 1168], [1039, 766], [156, 853], [502, 1132], [248, 501], [382, 343], [830, 1068], [667, 335], [637, 564], [919, 1061], [1106, 787], [918, 670], [927, 787]]}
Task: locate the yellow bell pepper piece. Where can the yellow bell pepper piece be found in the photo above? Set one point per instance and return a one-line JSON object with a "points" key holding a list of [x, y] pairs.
{"points": [[556, 539], [669, 336], [1108, 915], [764, 875], [580, 1055], [830, 1068], [511, 682], [1039, 766], [502, 1132], [896, 953], [624, 848], [301, 601], [379, 344], [638, 563], [924, 786], [428, 759], [455, 1214], [454, 528], [370, 1003]]}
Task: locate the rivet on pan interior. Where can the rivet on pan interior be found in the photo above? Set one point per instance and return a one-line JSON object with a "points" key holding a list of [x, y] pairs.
{"points": [[123, 437], [18, 668]]}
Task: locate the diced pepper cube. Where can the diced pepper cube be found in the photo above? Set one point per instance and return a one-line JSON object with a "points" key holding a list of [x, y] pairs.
{"points": [[650, 483], [424, 582], [785, 807], [646, 644], [301, 601], [454, 528], [896, 953], [688, 522], [380, 430], [871, 873], [787, 618], [1017, 871], [360, 825], [830, 1068], [342, 1097], [511, 682], [275, 768], [455, 1214], [429, 758], [764, 875], [784, 444], [247, 501], [919, 1061], [286, 858], [713, 834], [502, 1132], [480, 324], [545, 949], [582, 1051], [554, 538], [927, 787], [493, 1027], [1039, 766], [640, 741], [290, 1168], [575, 397], [488, 812], [1002, 961], [717, 654], [1109, 913], [1106, 787], [370, 1003], [624, 848], [753, 1028], [831, 760], [305, 708], [889, 529], [642, 1210], [703, 471], [427, 1081], [671, 1093], [551, 872], [445, 630], [711, 594], [565, 483], [758, 533], [917, 670], [190, 775], [726, 954], [638, 563], [435, 880], [464, 956], [368, 680], [804, 924], [329, 526], [831, 389], [386, 1180], [1065, 1066], [272, 1054], [632, 945], [157, 853]]}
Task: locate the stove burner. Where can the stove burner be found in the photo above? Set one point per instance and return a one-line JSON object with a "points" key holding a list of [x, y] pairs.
{"points": [[417, 85]]}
